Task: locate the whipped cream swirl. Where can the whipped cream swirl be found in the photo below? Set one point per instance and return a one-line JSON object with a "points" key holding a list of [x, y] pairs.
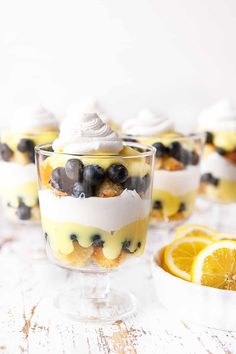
{"points": [[148, 123], [33, 118], [86, 133], [221, 116], [88, 106]]}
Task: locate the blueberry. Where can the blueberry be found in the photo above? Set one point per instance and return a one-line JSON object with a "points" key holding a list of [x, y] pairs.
{"points": [[182, 207], [220, 151], [209, 178], [175, 150], [82, 189], [94, 175], [135, 183], [32, 156], [97, 241], [117, 173], [209, 138], [185, 156], [215, 181], [206, 177], [161, 150], [157, 204], [125, 245], [23, 211], [74, 169], [194, 158], [5, 152], [147, 181], [73, 238], [25, 145], [60, 181]]}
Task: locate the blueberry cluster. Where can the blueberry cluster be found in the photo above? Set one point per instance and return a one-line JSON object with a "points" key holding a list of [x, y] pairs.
{"points": [[176, 151], [75, 179], [210, 140], [24, 146], [97, 241], [157, 205], [27, 145], [210, 179]]}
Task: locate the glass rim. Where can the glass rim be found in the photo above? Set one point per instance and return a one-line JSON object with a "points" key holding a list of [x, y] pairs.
{"points": [[188, 136], [41, 149]]}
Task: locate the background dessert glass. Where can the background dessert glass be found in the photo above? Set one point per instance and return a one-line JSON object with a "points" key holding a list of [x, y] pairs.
{"points": [[218, 170], [176, 177], [31, 125], [94, 219]]}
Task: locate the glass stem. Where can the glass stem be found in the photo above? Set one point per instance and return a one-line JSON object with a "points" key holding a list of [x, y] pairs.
{"points": [[91, 285]]}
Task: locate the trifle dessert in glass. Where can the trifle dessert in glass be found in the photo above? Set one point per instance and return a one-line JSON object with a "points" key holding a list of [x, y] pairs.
{"points": [[177, 167], [218, 179], [31, 125], [95, 196]]}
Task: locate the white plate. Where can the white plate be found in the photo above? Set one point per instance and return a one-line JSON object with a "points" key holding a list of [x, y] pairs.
{"points": [[195, 303]]}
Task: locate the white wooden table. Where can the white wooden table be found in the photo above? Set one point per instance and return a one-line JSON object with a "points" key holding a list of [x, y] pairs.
{"points": [[29, 324]]}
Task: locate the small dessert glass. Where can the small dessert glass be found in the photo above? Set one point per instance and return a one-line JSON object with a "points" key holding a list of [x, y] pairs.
{"points": [[176, 177], [218, 175], [94, 212], [18, 177]]}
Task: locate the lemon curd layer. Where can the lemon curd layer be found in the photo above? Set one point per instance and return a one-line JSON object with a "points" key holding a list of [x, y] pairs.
{"points": [[135, 165], [171, 203], [225, 139], [27, 192], [225, 191], [61, 241], [38, 137]]}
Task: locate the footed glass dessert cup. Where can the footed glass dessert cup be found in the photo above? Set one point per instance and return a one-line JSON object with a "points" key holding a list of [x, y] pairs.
{"points": [[176, 176], [218, 180], [18, 177], [218, 170], [94, 212]]}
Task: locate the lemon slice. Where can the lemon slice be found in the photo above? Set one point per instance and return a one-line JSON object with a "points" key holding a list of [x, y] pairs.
{"points": [[225, 236], [215, 266], [180, 254], [195, 230]]}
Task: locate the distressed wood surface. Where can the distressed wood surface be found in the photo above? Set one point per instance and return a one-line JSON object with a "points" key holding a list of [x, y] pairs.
{"points": [[29, 323]]}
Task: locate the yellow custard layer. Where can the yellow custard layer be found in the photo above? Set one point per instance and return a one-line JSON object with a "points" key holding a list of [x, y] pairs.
{"points": [[225, 140], [38, 137], [59, 234], [171, 203], [28, 192], [136, 166], [225, 191]]}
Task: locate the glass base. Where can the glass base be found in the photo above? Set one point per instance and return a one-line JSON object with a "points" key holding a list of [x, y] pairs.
{"points": [[116, 305]]}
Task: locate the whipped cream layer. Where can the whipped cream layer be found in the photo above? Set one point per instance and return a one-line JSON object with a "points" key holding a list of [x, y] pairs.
{"points": [[148, 123], [13, 174], [219, 167], [33, 118], [177, 182], [221, 116], [85, 133], [109, 214]]}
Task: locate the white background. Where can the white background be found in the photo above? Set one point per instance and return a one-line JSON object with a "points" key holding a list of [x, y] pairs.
{"points": [[179, 55]]}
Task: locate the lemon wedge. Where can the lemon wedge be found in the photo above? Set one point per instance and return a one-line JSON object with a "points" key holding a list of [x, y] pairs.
{"points": [[215, 266], [180, 254], [196, 231]]}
